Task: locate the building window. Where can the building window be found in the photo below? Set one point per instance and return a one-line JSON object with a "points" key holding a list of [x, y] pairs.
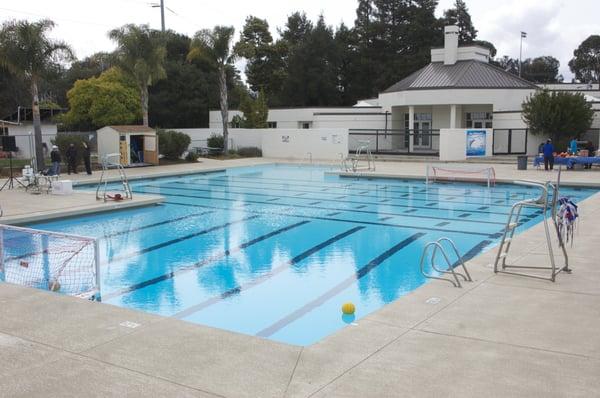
{"points": [[304, 125], [479, 120], [3, 130], [272, 125]]}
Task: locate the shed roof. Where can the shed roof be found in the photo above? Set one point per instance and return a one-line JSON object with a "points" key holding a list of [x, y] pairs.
{"points": [[462, 74], [132, 129]]}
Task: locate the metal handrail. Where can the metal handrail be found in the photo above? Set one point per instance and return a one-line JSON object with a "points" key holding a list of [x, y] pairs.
{"points": [[512, 223], [437, 245]]}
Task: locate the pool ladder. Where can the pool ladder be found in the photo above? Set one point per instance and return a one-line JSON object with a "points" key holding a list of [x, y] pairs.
{"points": [[436, 246], [544, 203]]}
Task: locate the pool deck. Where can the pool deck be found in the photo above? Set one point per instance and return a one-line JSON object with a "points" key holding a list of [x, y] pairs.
{"points": [[499, 336]]}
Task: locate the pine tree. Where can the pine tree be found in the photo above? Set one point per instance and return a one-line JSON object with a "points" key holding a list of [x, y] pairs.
{"points": [[459, 15]]}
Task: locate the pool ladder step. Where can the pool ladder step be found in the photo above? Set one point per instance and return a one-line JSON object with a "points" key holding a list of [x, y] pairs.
{"points": [[436, 246]]}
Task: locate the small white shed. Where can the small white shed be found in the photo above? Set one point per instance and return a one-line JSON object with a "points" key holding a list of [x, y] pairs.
{"points": [[137, 145]]}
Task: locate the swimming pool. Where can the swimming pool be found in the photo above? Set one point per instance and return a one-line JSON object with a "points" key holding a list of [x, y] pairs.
{"points": [[275, 250]]}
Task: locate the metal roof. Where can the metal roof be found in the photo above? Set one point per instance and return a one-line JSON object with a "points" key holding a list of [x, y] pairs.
{"points": [[462, 74], [132, 129]]}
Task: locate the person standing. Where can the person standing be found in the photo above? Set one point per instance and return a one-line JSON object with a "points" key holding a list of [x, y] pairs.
{"points": [[71, 155], [56, 159], [86, 158], [548, 151], [573, 146]]}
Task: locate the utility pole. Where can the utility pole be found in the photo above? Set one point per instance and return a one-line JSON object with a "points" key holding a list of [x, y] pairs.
{"points": [[523, 36], [162, 15]]}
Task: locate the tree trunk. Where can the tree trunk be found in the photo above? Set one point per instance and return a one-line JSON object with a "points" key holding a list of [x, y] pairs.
{"points": [[224, 107], [144, 100], [37, 126]]}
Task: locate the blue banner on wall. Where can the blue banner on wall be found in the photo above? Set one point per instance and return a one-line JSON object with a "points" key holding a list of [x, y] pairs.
{"points": [[476, 142]]}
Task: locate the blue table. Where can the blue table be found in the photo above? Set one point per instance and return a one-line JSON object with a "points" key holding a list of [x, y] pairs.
{"points": [[569, 162]]}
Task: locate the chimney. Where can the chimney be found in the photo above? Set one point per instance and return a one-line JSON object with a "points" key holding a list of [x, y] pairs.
{"points": [[450, 44]]}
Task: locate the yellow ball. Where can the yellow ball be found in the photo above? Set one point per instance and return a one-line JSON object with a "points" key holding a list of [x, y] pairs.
{"points": [[348, 308]]}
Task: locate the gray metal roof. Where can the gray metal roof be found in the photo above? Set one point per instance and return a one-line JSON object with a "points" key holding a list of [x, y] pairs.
{"points": [[463, 74]]}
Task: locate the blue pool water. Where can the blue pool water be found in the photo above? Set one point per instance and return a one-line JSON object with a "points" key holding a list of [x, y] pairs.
{"points": [[274, 251]]}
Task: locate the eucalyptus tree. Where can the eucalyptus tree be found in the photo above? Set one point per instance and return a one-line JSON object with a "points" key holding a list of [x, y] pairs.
{"points": [[140, 54], [27, 52], [215, 48]]}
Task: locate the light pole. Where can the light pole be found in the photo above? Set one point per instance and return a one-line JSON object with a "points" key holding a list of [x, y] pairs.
{"points": [[523, 36]]}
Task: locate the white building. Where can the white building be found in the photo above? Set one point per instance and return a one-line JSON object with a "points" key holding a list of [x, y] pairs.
{"points": [[20, 125], [459, 89]]}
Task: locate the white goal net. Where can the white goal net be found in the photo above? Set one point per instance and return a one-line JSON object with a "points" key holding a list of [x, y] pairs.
{"points": [[466, 173], [62, 263]]}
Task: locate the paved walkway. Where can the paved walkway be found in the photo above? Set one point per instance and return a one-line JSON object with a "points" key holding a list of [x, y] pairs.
{"points": [[499, 336]]}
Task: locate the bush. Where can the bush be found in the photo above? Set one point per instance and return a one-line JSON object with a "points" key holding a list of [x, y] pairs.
{"points": [[62, 141], [558, 115], [172, 144], [250, 152], [215, 141], [192, 156]]}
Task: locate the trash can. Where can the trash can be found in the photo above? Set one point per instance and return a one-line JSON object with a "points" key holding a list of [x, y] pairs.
{"points": [[522, 162]]}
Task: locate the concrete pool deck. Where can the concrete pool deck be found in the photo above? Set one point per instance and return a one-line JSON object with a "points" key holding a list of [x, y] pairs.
{"points": [[501, 335]]}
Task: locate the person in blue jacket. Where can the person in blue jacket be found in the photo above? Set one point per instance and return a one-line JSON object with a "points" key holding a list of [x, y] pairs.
{"points": [[573, 146], [548, 151]]}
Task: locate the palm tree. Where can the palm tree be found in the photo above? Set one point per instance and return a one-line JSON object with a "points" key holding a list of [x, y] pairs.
{"points": [[27, 52], [214, 47], [141, 54]]}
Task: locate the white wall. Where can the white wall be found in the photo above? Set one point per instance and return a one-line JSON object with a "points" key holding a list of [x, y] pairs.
{"points": [[320, 142], [500, 99], [24, 138], [453, 144], [323, 144], [238, 138], [345, 117]]}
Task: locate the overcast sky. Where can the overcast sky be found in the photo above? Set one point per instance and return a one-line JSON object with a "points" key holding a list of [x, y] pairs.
{"points": [[554, 27]]}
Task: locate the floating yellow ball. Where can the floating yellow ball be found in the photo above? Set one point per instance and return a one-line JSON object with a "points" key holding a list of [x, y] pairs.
{"points": [[348, 308]]}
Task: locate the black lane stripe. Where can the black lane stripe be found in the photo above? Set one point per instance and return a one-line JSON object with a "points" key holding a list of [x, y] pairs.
{"points": [[361, 272], [385, 218], [356, 209], [336, 219], [442, 224], [338, 185], [225, 184], [275, 271], [108, 236], [202, 263], [180, 239]]}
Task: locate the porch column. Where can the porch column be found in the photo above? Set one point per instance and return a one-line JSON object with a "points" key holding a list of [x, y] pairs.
{"points": [[411, 126], [452, 116]]}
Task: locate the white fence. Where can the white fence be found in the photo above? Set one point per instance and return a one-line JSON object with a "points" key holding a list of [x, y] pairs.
{"points": [[62, 263]]}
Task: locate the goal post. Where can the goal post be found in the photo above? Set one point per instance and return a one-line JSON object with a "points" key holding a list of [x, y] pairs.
{"points": [[63, 263], [463, 173]]}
